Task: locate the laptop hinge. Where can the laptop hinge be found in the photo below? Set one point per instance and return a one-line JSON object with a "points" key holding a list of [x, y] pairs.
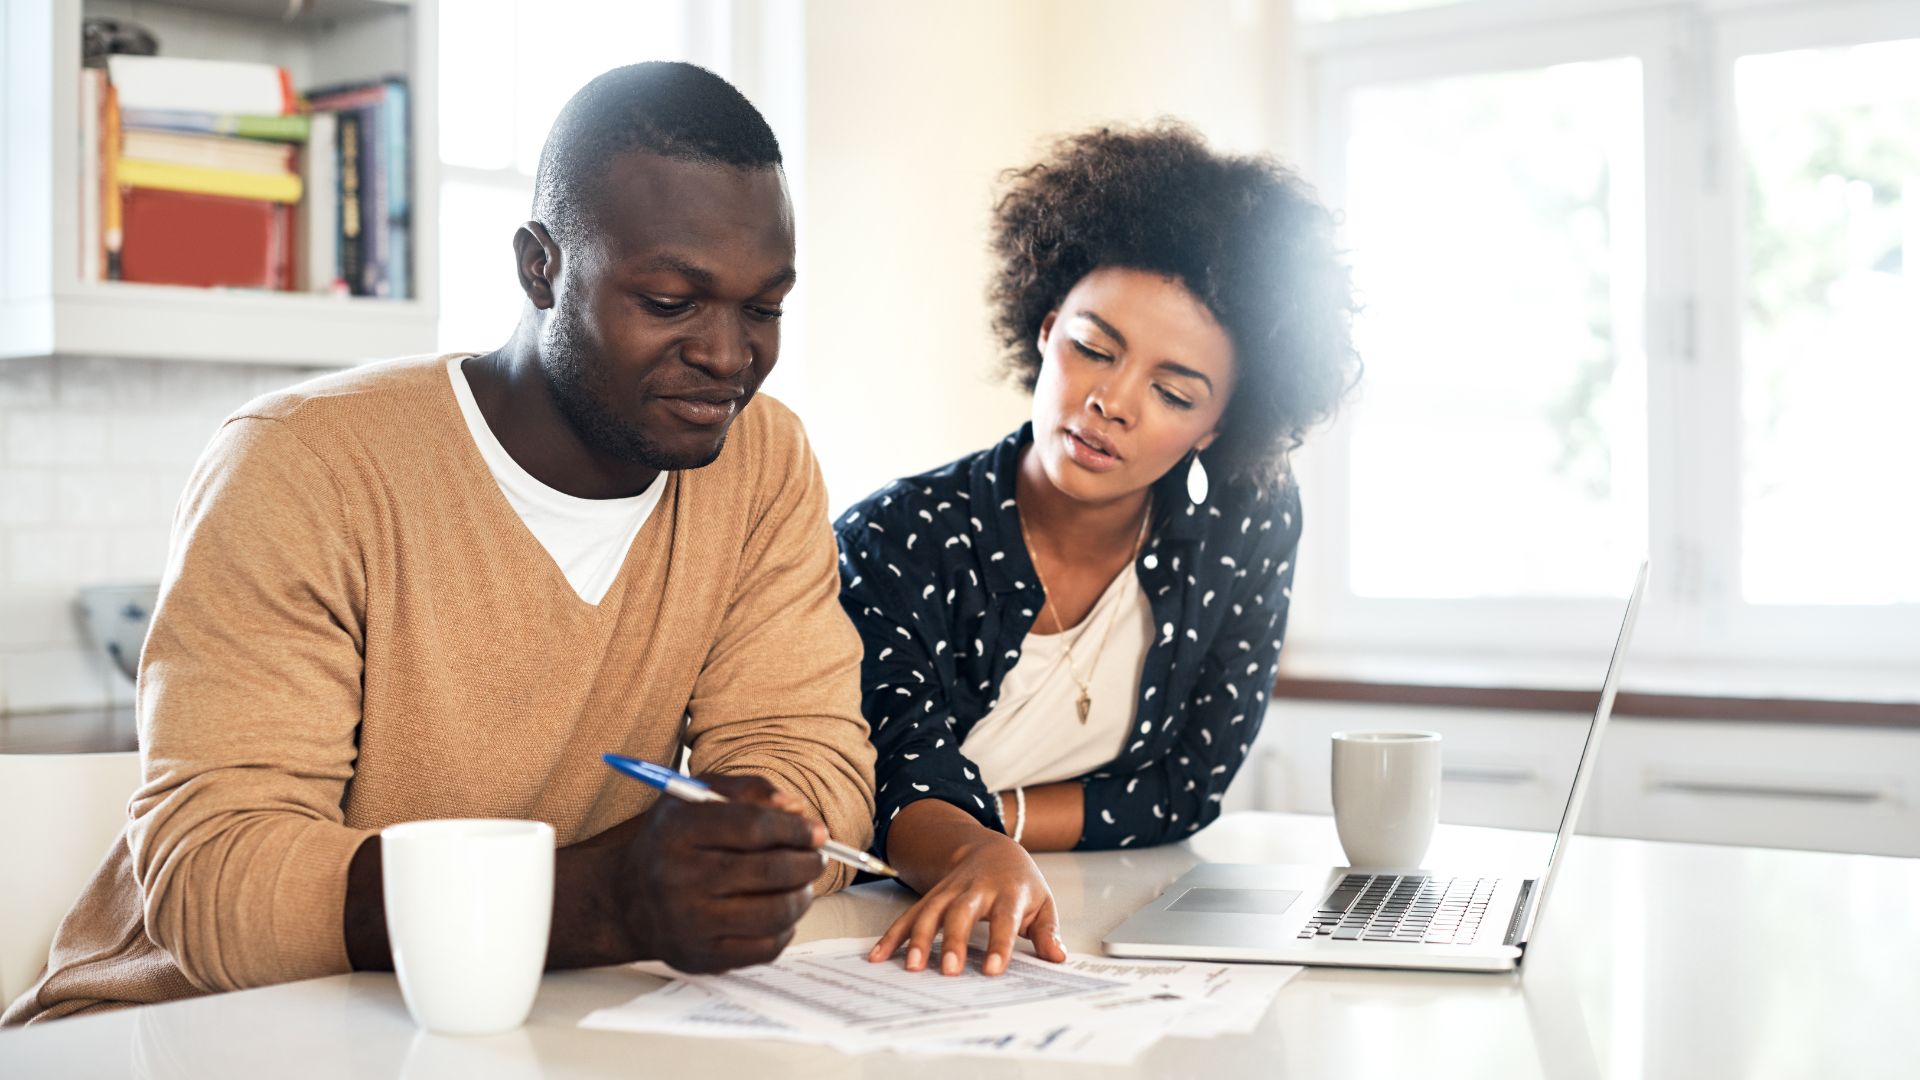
{"points": [[1522, 911]]}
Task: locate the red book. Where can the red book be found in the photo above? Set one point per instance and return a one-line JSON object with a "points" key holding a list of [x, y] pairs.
{"points": [[178, 238]]}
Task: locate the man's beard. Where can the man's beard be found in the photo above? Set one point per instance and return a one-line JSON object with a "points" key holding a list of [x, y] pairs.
{"points": [[578, 381]]}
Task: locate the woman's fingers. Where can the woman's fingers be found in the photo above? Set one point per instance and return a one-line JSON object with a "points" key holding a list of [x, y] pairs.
{"points": [[926, 923], [889, 942], [953, 917], [1003, 922], [994, 881], [1044, 932], [962, 913]]}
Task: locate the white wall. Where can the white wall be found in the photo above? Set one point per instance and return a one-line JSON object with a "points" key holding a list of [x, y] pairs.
{"points": [[1219, 64], [912, 112]]}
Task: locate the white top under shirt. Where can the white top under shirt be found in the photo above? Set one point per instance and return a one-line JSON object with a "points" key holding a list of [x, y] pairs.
{"points": [[587, 538], [1033, 734]]}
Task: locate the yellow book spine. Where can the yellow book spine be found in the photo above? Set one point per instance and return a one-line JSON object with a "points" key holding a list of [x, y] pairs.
{"points": [[280, 188]]}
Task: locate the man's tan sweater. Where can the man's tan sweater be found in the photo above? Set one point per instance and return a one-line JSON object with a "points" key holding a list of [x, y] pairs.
{"points": [[356, 629]]}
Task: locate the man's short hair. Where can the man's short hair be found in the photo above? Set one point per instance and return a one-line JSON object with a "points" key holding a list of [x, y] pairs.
{"points": [[673, 109]]}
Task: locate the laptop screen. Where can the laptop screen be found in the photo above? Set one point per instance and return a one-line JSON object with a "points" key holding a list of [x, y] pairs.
{"points": [[1591, 749]]}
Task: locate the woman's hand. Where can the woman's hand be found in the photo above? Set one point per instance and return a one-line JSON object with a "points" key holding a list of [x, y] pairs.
{"points": [[994, 879]]}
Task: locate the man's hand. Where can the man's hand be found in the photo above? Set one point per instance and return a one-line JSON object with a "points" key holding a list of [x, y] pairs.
{"points": [[703, 886], [712, 886]]}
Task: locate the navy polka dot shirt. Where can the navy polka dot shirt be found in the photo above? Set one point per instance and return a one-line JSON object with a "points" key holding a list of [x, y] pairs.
{"points": [[936, 576]]}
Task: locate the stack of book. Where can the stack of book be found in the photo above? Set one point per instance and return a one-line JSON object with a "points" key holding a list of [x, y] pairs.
{"points": [[372, 174], [216, 173]]}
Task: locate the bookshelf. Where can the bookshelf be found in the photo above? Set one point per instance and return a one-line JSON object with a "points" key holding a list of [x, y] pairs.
{"points": [[47, 309]]}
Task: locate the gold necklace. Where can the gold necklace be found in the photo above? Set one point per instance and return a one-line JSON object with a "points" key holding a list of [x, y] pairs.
{"points": [[1085, 702]]}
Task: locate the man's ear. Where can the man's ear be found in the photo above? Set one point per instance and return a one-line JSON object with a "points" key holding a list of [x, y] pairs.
{"points": [[1046, 329], [536, 258]]}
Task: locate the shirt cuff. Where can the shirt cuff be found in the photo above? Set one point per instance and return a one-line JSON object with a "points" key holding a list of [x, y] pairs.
{"points": [[972, 799], [310, 901]]}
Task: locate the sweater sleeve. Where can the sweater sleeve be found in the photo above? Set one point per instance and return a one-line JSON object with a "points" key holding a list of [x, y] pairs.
{"points": [[909, 662], [249, 701], [1180, 793], [779, 694]]}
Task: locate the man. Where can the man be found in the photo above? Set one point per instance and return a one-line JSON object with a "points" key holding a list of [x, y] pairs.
{"points": [[442, 587]]}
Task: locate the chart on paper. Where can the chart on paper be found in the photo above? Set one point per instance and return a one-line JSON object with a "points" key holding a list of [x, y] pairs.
{"points": [[850, 990], [1090, 1009]]}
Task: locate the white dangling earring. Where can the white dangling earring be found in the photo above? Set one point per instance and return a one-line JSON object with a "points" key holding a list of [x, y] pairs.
{"points": [[1197, 480]]}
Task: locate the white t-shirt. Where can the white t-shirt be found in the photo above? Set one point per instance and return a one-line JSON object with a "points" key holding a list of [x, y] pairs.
{"points": [[1033, 735], [587, 538]]}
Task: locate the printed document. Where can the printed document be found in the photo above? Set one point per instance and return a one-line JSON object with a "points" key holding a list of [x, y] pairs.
{"points": [[1090, 1009]]}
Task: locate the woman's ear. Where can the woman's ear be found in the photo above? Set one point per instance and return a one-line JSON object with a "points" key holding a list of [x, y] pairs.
{"points": [[1206, 440], [1046, 330]]}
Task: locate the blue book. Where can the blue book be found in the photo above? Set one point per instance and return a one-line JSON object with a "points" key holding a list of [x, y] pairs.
{"points": [[396, 130], [373, 200]]}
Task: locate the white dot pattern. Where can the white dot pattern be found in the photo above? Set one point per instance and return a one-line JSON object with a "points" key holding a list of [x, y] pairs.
{"points": [[945, 625]]}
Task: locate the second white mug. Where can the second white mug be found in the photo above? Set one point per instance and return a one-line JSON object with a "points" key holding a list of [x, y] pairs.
{"points": [[1386, 795]]}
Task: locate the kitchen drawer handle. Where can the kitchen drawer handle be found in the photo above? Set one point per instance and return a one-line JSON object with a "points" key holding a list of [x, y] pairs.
{"points": [[1485, 775], [1760, 791]]}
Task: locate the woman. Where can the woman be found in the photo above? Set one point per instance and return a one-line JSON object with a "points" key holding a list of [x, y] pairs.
{"points": [[1070, 636]]}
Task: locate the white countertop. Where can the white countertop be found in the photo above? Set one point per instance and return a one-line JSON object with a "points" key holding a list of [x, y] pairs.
{"points": [[1652, 960], [69, 731]]}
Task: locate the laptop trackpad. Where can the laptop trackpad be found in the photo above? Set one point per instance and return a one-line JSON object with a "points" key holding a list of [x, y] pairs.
{"points": [[1236, 901]]}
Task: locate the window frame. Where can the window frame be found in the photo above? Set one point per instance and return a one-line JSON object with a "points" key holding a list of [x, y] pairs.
{"points": [[1694, 612]]}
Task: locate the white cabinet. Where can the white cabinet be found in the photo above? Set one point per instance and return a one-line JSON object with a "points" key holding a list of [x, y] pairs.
{"points": [[1772, 785], [47, 309], [1765, 784]]}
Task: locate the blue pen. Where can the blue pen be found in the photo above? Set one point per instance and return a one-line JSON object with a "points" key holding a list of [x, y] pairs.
{"points": [[681, 786]]}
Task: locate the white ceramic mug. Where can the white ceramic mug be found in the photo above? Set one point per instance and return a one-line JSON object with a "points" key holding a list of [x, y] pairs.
{"points": [[469, 906], [1386, 795]]}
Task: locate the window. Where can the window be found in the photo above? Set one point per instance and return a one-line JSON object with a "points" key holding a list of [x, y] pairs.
{"points": [[1635, 277], [1830, 273], [1505, 309]]}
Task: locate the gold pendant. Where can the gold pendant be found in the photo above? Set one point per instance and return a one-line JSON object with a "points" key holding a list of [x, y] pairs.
{"points": [[1086, 705]]}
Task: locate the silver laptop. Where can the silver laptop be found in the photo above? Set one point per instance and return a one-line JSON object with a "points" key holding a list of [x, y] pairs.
{"points": [[1437, 919]]}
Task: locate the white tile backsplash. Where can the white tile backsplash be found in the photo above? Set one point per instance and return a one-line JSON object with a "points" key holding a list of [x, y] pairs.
{"points": [[26, 497], [49, 556], [92, 497], [138, 552], [93, 456], [166, 437], [102, 496], [88, 381], [37, 617], [56, 436], [26, 382]]}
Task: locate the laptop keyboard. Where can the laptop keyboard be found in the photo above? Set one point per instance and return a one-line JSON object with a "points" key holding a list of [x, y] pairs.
{"points": [[1414, 908]]}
